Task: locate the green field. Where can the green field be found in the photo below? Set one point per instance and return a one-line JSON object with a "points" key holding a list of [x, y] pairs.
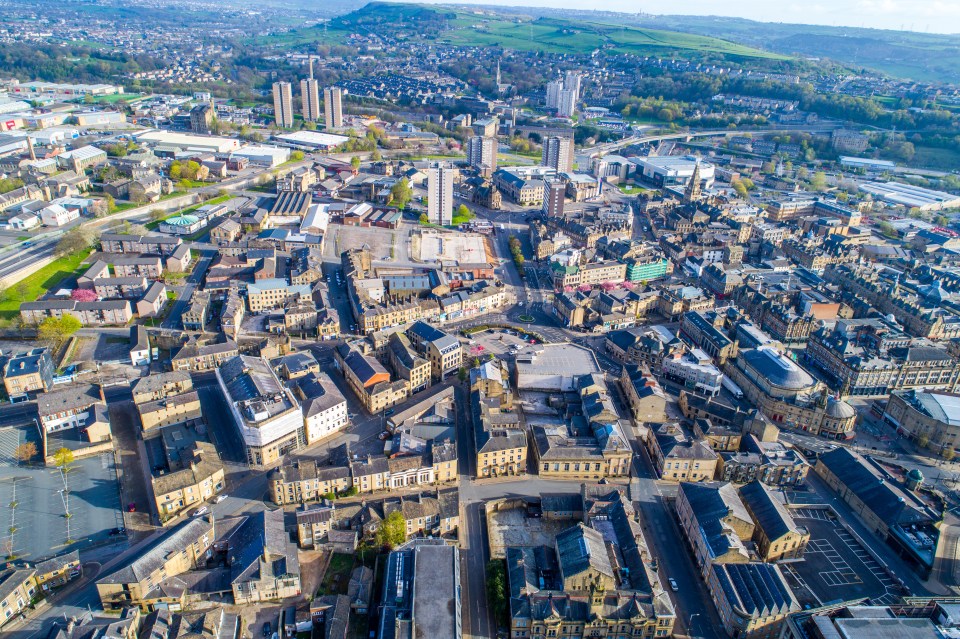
{"points": [[928, 157], [445, 25], [40, 282]]}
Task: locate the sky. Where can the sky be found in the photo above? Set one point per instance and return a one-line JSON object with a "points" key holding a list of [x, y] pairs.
{"points": [[934, 16]]}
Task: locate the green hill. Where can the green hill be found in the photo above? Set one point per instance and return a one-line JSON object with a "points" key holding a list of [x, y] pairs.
{"points": [[487, 28]]}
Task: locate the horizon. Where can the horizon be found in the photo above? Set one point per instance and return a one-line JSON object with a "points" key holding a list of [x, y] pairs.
{"points": [[936, 17]]}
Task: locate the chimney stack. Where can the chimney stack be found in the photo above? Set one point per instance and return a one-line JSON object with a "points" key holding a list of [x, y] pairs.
{"points": [[33, 154]]}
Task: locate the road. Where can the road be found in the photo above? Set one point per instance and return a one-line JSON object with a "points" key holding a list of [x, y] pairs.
{"points": [[186, 292]]}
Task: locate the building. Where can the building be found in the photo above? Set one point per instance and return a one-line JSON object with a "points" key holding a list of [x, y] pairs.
{"points": [[422, 591], [324, 406], [440, 193], [558, 154], [753, 599], [645, 397], [407, 364], [102, 313], [266, 414], [680, 457], [165, 399], [18, 588], [895, 514], [482, 153], [554, 199], [150, 580], [264, 563], [926, 417], [596, 579], [283, 104], [442, 349], [673, 170], [305, 481], [273, 293], [28, 372], [333, 107], [787, 394], [195, 476], [310, 97], [566, 103], [694, 370], [775, 533], [201, 117], [73, 406], [369, 380]]}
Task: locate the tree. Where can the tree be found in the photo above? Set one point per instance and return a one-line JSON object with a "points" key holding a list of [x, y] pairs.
{"points": [[819, 182], [176, 170], [74, 241], [497, 589], [63, 458], [83, 295], [355, 162], [376, 156], [25, 452], [9, 184], [948, 454], [923, 441], [54, 330], [401, 193], [740, 188], [886, 228], [392, 531], [462, 374], [296, 156], [424, 219], [156, 215], [22, 291]]}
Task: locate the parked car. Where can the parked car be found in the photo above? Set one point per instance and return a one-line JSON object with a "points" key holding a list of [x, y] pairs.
{"points": [[117, 531], [202, 510], [219, 498], [390, 412], [384, 435], [673, 584], [267, 629]]}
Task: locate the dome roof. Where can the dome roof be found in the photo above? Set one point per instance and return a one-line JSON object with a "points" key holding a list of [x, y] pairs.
{"points": [[915, 475], [778, 369], [182, 220], [839, 409]]}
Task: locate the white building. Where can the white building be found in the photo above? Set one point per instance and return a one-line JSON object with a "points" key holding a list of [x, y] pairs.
{"points": [[267, 415], [56, 215], [672, 170], [695, 370], [440, 193], [553, 93], [312, 139], [566, 104], [324, 407], [261, 155]]}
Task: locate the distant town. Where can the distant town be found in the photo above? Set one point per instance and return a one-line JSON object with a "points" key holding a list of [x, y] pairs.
{"points": [[395, 321]]}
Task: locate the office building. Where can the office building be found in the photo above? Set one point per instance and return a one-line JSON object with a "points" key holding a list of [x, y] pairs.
{"points": [[558, 154], [267, 415], [482, 152], [333, 107], [283, 104], [440, 193]]}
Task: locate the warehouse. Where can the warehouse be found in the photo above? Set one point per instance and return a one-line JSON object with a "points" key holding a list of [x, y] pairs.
{"points": [[674, 170], [912, 197], [311, 140], [184, 141]]}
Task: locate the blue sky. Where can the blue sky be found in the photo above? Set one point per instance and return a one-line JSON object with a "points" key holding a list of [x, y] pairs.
{"points": [[935, 16]]}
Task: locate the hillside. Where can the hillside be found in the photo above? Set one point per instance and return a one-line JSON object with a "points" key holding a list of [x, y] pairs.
{"points": [[487, 28]]}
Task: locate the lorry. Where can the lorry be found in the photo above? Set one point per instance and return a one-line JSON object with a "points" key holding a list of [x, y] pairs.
{"points": [[733, 388]]}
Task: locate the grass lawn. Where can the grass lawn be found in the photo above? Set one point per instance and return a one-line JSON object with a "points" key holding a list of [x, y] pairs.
{"points": [[631, 190], [337, 577], [42, 281]]}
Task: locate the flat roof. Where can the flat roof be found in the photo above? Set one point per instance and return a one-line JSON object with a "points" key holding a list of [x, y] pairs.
{"points": [[909, 195], [312, 138], [186, 141]]}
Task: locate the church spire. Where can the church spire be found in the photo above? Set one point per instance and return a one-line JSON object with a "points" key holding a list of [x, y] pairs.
{"points": [[692, 194]]}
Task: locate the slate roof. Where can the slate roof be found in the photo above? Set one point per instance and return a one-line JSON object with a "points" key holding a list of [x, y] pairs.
{"points": [[757, 589], [768, 512], [580, 548]]}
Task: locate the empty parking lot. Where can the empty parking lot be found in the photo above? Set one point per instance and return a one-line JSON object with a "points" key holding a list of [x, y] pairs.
{"points": [[836, 565], [34, 506]]}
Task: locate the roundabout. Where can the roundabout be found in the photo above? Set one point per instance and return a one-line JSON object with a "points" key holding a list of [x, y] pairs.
{"points": [[527, 319]]}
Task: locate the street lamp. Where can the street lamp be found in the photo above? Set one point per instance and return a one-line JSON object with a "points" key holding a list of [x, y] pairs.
{"points": [[690, 623]]}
